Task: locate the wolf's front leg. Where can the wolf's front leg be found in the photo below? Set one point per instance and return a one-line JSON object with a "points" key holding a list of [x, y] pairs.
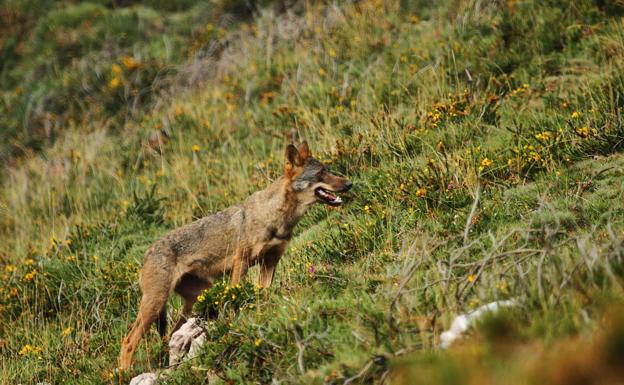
{"points": [[268, 265], [240, 264]]}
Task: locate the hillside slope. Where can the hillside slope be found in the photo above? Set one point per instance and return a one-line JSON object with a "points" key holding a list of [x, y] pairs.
{"points": [[484, 141]]}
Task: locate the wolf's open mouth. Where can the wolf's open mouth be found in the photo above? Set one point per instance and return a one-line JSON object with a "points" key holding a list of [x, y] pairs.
{"points": [[328, 197]]}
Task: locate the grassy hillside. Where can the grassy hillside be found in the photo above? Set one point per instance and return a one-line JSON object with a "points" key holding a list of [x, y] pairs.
{"points": [[483, 138]]}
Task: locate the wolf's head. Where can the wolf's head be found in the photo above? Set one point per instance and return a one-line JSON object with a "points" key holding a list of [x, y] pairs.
{"points": [[310, 179]]}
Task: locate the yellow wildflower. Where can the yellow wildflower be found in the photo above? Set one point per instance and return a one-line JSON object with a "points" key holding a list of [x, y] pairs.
{"points": [[116, 69], [322, 72], [258, 341], [129, 62], [544, 136], [421, 192], [195, 148], [27, 349], [583, 132], [114, 83], [66, 331], [472, 278], [576, 115], [30, 276], [9, 268], [485, 162]]}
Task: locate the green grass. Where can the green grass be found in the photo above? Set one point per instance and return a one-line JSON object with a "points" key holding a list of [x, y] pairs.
{"points": [[483, 139]]}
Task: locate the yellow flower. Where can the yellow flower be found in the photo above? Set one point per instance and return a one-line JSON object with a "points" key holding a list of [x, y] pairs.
{"points": [[485, 162], [258, 341], [583, 132], [30, 276], [66, 331], [472, 278], [544, 136], [129, 62], [195, 148], [27, 349], [421, 192], [322, 72], [331, 53], [576, 115], [116, 69], [114, 83], [9, 268]]}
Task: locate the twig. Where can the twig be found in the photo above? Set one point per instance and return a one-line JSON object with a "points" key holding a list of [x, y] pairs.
{"points": [[361, 373], [473, 210], [301, 346]]}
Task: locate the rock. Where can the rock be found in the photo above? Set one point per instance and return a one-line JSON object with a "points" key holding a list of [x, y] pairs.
{"points": [[186, 342], [462, 322], [145, 379]]}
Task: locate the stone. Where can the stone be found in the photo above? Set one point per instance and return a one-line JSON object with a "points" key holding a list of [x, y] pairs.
{"points": [[145, 379], [187, 341]]}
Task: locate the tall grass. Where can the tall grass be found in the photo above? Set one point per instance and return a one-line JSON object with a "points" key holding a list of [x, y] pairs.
{"points": [[483, 139]]}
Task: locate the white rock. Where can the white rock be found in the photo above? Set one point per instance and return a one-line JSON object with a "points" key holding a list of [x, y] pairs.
{"points": [[145, 379], [186, 342], [462, 322]]}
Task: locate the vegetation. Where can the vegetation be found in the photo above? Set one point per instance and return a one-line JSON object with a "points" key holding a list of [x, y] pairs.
{"points": [[484, 141]]}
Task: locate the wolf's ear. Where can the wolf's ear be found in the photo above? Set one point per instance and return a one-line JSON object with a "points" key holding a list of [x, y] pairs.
{"points": [[304, 150], [293, 158]]}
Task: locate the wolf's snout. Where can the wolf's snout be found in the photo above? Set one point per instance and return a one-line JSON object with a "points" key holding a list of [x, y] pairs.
{"points": [[347, 186]]}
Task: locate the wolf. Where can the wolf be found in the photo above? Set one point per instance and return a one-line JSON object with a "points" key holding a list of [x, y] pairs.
{"points": [[189, 259]]}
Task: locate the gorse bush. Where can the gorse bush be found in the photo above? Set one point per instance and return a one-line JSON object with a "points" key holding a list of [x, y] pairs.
{"points": [[222, 298]]}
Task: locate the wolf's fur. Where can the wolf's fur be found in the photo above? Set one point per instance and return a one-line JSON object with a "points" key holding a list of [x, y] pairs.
{"points": [[188, 259]]}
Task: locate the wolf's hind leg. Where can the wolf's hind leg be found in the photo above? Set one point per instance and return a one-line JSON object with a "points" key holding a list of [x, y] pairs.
{"points": [[149, 310], [155, 284]]}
